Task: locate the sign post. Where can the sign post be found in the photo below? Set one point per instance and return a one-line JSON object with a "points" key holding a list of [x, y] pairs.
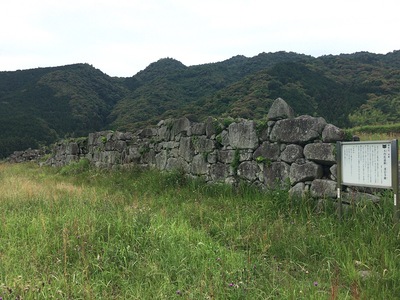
{"points": [[368, 164]]}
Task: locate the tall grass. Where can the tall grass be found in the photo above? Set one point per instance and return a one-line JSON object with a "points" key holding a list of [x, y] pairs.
{"points": [[377, 132], [77, 233]]}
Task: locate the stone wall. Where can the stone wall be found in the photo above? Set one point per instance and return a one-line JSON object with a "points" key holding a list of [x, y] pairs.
{"points": [[283, 152], [27, 155]]}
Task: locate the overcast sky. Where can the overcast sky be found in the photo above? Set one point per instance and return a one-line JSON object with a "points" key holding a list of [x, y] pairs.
{"points": [[122, 37]]}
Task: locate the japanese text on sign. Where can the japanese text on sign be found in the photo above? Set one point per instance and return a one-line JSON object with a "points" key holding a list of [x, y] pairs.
{"points": [[367, 164]]}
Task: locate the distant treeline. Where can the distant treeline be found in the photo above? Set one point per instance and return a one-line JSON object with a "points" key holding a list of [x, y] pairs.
{"points": [[39, 106]]}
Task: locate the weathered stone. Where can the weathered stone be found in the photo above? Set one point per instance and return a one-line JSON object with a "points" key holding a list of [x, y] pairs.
{"points": [[111, 158], [177, 164], [178, 137], [147, 132], [210, 126], [267, 151], [170, 145], [117, 145], [300, 130], [92, 138], [231, 180], [199, 165], [226, 156], [356, 197], [245, 155], [276, 175], [280, 110], [164, 133], [322, 153], [333, 171], [332, 134], [149, 157], [127, 136], [72, 149], [304, 172], [118, 135], [219, 172], [298, 191], [186, 149], [243, 135], [211, 157], [161, 160], [181, 125], [174, 152], [134, 152], [197, 129], [27, 155], [321, 188], [201, 144], [292, 153], [248, 170], [224, 138]]}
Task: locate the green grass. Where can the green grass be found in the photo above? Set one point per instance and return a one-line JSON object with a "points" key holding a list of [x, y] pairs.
{"points": [[377, 132], [78, 233]]}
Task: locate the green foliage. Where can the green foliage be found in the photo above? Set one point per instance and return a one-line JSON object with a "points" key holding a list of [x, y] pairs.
{"points": [[39, 106], [388, 128], [263, 160], [261, 126], [95, 234], [236, 161], [83, 165]]}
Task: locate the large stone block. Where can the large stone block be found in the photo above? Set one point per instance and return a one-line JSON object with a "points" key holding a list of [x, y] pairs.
{"points": [[280, 110], [181, 125], [161, 160], [322, 153], [267, 151], [321, 188], [115, 145], [300, 130], [199, 165], [186, 149], [219, 172], [276, 175], [305, 172], [164, 133], [332, 134], [299, 190], [226, 156], [177, 164], [197, 129], [147, 132], [202, 144], [292, 153], [243, 135], [249, 170], [72, 149]]}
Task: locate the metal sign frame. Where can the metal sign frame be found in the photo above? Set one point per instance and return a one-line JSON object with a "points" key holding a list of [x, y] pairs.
{"points": [[369, 164]]}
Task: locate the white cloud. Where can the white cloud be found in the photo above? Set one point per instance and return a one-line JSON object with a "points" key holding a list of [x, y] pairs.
{"points": [[124, 36]]}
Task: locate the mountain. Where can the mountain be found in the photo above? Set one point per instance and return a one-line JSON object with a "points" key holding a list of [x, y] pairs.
{"points": [[167, 88], [39, 106]]}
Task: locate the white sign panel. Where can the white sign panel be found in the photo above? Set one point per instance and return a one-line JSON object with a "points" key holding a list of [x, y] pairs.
{"points": [[367, 164]]}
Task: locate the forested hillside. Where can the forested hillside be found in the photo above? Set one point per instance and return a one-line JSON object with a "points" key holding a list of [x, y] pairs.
{"points": [[39, 106]]}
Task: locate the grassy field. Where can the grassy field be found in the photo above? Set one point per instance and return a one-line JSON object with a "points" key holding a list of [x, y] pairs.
{"points": [[377, 132], [77, 233]]}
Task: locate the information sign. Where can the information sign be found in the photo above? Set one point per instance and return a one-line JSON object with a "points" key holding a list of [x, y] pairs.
{"points": [[371, 164], [367, 164]]}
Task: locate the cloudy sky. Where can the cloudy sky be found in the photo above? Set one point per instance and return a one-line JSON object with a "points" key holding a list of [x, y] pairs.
{"points": [[122, 37]]}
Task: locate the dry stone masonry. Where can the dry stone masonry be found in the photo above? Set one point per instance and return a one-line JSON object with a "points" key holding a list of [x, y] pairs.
{"points": [[283, 152]]}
